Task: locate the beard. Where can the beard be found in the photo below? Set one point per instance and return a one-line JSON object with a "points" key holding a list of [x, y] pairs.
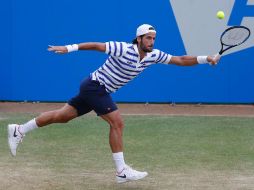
{"points": [[145, 49]]}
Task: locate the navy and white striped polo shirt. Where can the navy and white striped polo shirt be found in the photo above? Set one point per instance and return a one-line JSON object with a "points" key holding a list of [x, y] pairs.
{"points": [[124, 64]]}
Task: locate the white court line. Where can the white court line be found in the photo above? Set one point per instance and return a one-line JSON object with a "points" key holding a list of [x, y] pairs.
{"points": [[2, 118], [188, 115]]}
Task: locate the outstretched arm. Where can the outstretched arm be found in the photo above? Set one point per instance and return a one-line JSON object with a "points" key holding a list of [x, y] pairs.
{"points": [[75, 47], [192, 60]]}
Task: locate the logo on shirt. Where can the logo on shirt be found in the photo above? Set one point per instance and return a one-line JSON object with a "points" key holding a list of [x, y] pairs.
{"points": [[129, 62]]}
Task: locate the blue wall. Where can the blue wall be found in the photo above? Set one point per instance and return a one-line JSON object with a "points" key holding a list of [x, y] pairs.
{"points": [[29, 72]]}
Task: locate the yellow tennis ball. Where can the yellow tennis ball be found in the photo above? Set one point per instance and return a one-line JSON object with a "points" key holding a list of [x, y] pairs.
{"points": [[220, 15]]}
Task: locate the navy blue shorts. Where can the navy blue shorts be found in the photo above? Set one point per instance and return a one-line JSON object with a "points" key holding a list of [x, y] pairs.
{"points": [[92, 96]]}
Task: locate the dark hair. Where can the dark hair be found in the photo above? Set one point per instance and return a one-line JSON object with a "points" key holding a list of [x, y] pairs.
{"points": [[135, 41]]}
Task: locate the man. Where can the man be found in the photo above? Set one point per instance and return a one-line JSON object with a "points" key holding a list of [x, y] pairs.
{"points": [[124, 63]]}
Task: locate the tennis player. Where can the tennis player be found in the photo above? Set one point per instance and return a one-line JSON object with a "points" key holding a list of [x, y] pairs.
{"points": [[124, 63]]}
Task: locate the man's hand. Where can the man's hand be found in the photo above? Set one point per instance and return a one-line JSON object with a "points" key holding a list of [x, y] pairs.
{"points": [[58, 49], [213, 60]]}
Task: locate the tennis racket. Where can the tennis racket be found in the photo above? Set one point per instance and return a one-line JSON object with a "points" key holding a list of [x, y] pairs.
{"points": [[232, 37]]}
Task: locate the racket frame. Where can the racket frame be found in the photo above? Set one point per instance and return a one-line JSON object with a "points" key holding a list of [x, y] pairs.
{"points": [[222, 50]]}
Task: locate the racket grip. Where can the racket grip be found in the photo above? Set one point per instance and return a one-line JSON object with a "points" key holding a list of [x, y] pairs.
{"points": [[217, 57]]}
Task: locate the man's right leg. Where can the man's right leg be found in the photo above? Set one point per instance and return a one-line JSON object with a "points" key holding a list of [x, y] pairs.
{"points": [[17, 132], [62, 115]]}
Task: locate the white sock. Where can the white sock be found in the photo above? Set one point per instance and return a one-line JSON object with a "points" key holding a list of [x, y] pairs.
{"points": [[30, 125], [119, 161]]}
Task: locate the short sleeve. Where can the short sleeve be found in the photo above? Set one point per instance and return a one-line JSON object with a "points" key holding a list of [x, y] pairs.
{"points": [[162, 57], [116, 49]]}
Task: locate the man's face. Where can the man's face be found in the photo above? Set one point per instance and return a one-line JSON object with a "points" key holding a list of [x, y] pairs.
{"points": [[146, 43]]}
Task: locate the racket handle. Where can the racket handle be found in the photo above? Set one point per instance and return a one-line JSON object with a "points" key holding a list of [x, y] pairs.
{"points": [[217, 57]]}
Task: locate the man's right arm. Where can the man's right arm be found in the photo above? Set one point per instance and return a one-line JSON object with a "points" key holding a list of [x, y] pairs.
{"points": [[75, 47], [92, 46]]}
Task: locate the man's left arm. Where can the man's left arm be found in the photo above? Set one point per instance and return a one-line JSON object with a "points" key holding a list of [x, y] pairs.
{"points": [[193, 60]]}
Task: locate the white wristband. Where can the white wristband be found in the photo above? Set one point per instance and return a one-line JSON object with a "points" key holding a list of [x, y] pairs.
{"points": [[71, 48], [202, 59]]}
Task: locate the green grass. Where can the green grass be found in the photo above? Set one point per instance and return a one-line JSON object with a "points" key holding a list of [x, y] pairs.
{"points": [[178, 152]]}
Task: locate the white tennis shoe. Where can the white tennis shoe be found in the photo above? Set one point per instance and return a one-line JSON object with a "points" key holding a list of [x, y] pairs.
{"points": [[129, 174], [14, 138]]}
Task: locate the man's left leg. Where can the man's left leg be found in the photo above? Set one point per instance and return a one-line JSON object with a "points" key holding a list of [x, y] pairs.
{"points": [[124, 172]]}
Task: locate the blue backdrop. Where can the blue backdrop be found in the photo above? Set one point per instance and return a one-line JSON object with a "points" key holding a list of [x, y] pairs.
{"points": [[29, 72]]}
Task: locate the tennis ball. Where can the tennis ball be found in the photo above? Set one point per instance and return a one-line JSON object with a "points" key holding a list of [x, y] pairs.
{"points": [[220, 15]]}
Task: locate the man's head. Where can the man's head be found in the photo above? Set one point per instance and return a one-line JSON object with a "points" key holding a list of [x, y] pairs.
{"points": [[145, 37]]}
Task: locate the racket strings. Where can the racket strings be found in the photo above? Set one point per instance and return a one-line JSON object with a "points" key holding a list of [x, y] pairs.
{"points": [[235, 36]]}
